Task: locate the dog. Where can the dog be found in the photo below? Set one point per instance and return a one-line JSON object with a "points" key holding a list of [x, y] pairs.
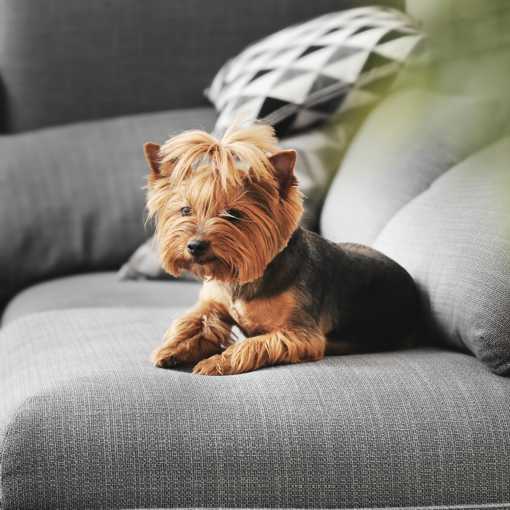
{"points": [[229, 211]]}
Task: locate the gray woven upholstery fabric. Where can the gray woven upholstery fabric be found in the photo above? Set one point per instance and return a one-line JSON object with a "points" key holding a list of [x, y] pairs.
{"points": [[408, 141], [87, 422], [71, 198], [94, 290], [454, 239], [487, 506], [70, 60]]}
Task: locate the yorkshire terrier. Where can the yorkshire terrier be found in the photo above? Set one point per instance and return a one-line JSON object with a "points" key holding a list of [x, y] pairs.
{"points": [[228, 210]]}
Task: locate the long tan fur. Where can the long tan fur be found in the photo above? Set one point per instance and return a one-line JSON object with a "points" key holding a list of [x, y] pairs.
{"points": [[240, 152], [214, 176]]}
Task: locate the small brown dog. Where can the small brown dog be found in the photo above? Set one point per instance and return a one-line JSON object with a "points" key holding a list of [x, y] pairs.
{"points": [[228, 210]]}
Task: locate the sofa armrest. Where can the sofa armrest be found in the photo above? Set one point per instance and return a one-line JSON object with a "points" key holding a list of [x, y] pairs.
{"points": [[71, 197], [71, 60]]}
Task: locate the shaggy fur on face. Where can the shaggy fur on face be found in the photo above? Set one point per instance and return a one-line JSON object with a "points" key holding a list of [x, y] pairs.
{"points": [[236, 194]]}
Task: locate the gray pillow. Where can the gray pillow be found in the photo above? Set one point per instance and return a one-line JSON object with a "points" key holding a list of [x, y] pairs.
{"points": [[71, 197], [454, 239], [408, 141]]}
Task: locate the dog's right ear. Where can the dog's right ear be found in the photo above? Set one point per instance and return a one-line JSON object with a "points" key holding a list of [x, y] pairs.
{"points": [[284, 164], [151, 152]]}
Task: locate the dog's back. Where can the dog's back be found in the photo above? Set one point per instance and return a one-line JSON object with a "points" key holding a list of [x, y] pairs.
{"points": [[362, 297]]}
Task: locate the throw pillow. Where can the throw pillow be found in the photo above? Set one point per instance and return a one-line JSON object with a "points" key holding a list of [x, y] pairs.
{"points": [[405, 143], [299, 76], [454, 239], [144, 264]]}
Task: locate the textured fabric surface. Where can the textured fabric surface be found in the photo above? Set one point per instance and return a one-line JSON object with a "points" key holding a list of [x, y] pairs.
{"points": [[407, 142], [301, 75], [481, 506], [454, 239], [86, 421], [497, 506], [69, 60], [105, 290], [71, 198]]}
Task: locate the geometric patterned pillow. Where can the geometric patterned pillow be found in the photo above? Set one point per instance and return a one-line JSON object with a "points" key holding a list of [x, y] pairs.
{"points": [[301, 75]]}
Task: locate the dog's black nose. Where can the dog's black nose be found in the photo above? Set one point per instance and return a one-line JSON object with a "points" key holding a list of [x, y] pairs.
{"points": [[197, 246]]}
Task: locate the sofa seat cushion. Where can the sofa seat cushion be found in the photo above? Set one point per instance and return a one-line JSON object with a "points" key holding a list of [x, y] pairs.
{"points": [[100, 290], [87, 422]]}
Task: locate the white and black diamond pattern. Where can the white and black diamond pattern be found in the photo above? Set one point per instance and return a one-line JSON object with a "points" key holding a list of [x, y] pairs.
{"points": [[301, 75]]}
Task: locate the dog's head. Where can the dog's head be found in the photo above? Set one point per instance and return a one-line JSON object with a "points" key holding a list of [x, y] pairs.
{"points": [[223, 208]]}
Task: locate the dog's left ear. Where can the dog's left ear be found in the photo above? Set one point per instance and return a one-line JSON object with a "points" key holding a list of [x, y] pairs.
{"points": [[284, 163], [151, 153]]}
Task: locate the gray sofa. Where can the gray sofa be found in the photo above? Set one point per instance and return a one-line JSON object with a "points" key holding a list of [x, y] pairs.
{"points": [[87, 422]]}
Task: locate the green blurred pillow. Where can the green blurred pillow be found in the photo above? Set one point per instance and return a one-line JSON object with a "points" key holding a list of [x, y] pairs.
{"points": [[409, 140]]}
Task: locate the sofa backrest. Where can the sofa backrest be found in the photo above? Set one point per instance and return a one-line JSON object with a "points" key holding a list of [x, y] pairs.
{"points": [[69, 60]]}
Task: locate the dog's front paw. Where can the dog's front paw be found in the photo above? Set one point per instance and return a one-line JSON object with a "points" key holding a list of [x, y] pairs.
{"points": [[183, 352], [166, 357], [215, 365]]}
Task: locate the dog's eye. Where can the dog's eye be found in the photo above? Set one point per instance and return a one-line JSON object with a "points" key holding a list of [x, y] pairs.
{"points": [[233, 214], [185, 211]]}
